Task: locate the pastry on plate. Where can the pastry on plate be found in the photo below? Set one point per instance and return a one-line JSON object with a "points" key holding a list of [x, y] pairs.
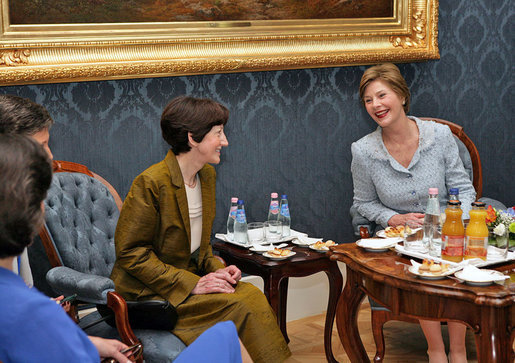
{"points": [[394, 231], [279, 252], [432, 267], [323, 245]]}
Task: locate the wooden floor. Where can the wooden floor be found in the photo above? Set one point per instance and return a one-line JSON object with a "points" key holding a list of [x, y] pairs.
{"points": [[404, 342]]}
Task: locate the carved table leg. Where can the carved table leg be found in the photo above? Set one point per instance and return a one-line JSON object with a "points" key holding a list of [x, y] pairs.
{"points": [[272, 290], [493, 340], [347, 318], [335, 288], [283, 298]]}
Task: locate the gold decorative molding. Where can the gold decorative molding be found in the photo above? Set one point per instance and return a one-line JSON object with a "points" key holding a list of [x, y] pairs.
{"points": [[14, 57], [84, 52], [417, 39]]}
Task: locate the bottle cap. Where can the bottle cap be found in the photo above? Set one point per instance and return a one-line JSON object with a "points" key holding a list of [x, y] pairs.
{"points": [[274, 195], [240, 202], [433, 191], [234, 200], [478, 204], [284, 196], [454, 191], [453, 202]]}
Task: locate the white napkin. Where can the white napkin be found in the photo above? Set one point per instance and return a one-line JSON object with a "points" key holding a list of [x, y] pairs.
{"points": [[472, 273], [222, 237], [497, 254], [379, 242], [415, 264], [263, 248], [293, 234], [305, 240]]}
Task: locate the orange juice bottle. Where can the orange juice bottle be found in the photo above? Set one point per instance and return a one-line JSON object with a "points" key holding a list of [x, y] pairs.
{"points": [[453, 233], [476, 235]]}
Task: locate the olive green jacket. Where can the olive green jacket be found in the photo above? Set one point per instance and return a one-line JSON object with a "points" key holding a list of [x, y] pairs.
{"points": [[153, 259]]}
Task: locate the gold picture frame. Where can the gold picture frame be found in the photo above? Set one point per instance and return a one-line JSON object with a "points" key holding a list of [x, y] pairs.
{"points": [[52, 53]]}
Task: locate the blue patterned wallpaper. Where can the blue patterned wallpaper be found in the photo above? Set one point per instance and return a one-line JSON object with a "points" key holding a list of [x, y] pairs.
{"points": [[290, 131]]}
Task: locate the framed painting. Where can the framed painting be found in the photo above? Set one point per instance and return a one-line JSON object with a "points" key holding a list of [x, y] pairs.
{"points": [[49, 41]]}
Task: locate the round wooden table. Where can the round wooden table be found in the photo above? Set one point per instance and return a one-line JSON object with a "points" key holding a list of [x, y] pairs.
{"points": [[489, 310]]}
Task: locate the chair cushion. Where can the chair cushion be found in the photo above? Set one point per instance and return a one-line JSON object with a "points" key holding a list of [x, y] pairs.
{"points": [[158, 345], [89, 288], [81, 215]]}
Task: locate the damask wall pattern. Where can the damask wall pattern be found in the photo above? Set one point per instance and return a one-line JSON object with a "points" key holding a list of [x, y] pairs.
{"points": [[290, 131]]}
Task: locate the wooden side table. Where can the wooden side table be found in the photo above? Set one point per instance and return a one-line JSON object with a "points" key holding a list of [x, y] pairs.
{"points": [[275, 275], [488, 310]]}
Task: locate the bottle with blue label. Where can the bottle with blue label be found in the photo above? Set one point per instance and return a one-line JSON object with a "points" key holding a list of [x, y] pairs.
{"points": [[231, 218], [240, 224], [454, 194], [284, 215], [273, 210]]}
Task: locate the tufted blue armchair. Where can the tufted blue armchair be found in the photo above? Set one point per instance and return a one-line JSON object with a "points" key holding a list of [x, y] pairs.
{"points": [[364, 228], [81, 212]]}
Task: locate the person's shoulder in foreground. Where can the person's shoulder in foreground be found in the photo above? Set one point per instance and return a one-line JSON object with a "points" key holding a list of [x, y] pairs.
{"points": [[36, 329]]}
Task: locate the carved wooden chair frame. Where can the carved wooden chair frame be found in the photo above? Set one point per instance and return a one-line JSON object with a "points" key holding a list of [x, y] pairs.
{"points": [[114, 301]]}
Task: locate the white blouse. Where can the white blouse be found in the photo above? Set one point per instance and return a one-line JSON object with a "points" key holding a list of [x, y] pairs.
{"points": [[194, 196]]}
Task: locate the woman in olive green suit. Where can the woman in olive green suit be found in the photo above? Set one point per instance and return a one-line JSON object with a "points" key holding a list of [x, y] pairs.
{"points": [[162, 238]]}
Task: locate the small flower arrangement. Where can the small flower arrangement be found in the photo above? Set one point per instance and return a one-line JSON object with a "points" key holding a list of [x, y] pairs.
{"points": [[501, 222]]}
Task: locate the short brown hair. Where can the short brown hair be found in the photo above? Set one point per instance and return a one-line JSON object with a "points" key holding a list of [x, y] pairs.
{"points": [[20, 115], [25, 176], [389, 73], [188, 114]]}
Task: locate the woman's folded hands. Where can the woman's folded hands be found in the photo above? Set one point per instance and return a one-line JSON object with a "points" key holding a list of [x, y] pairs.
{"points": [[220, 281]]}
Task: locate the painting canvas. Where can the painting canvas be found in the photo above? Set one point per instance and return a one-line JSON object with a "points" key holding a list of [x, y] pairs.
{"points": [[125, 11]]}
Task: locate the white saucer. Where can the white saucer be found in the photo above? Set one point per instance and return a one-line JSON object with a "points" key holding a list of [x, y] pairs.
{"points": [[381, 234], [321, 250], [278, 258], [382, 244], [305, 241], [482, 280], [428, 275]]}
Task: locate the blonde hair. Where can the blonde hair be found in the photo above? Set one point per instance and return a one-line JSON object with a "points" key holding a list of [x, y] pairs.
{"points": [[389, 73]]}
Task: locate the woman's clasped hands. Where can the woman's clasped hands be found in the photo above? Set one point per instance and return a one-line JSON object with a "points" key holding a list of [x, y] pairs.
{"points": [[221, 281], [401, 219]]}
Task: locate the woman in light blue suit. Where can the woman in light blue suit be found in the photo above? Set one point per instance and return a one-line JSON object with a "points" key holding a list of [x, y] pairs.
{"points": [[393, 168]]}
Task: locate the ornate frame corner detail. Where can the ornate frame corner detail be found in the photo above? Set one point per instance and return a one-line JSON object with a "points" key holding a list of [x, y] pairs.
{"points": [[417, 40]]}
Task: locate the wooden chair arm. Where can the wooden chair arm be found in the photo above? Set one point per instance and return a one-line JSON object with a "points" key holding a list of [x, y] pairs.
{"points": [[121, 316], [221, 260], [363, 232]]}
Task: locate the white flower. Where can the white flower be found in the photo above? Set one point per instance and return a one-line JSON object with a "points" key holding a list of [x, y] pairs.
{"points": [[499, 229]]}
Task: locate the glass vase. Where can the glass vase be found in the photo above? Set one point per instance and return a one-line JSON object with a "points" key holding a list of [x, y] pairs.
{"points": [[502, 242]]}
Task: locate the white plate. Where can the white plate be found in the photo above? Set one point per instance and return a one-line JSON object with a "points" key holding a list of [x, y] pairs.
{"points": [[256, 251], [382, 245], [429, 275], [264, 248], [382, 234], [278, 258], [481, 281], [322, 250]]}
